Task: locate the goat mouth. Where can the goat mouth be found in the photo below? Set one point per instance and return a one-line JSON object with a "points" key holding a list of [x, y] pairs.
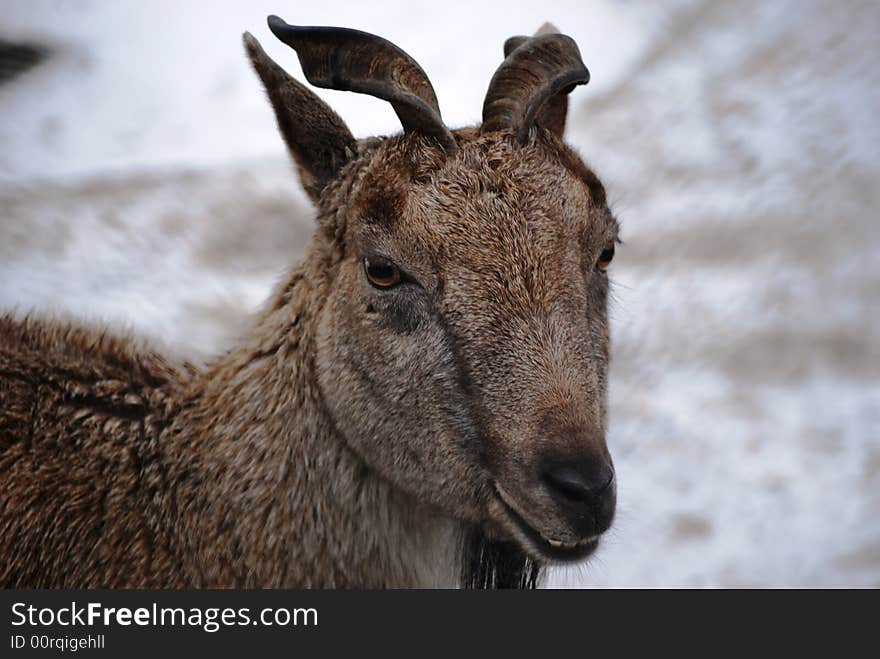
{"points": [[547, 548]]}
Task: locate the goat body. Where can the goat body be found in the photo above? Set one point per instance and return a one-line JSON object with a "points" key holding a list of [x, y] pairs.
{"points": [[119, 468]]}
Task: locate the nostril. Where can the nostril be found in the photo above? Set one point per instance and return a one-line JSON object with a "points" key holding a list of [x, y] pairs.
{"points": [[568, 482], [578, 483]]}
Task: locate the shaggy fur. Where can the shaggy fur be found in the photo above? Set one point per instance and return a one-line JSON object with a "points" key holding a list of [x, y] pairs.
{"points": [[354, 437]]}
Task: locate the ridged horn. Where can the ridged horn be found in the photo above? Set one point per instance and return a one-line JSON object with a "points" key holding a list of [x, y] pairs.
{"points": [[351, 60], [531, 84]]}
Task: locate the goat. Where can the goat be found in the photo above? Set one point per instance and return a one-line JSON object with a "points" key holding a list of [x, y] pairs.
{"points": [[421, 402]]}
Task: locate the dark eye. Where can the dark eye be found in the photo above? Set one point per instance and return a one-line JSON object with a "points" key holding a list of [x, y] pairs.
{"points": [[605, 257], [382, 274]]}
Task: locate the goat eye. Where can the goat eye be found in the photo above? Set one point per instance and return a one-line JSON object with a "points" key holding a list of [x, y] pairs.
{"points": [[382, 274], [605, 258]]}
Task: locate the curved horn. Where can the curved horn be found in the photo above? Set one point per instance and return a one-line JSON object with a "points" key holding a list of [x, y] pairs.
{"points": [[515, 42], [531, 84], [351, 60]]}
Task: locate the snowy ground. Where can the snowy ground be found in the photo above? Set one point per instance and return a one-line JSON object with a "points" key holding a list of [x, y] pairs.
{"points": [[141, 182]]}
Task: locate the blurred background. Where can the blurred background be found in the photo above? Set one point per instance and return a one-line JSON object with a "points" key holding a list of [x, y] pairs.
{"points": [[142, 183]]}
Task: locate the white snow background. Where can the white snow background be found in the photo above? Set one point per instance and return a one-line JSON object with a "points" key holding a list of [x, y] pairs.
{"points": [[142, 182]]}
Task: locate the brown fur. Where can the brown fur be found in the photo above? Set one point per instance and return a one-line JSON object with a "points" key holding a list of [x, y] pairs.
{"points": [[354, 436]]}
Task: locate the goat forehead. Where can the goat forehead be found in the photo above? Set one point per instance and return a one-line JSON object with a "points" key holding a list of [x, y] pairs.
{"points": [[514, 225], [505, 222], [508, 264], [478, 191], [499, 222]]}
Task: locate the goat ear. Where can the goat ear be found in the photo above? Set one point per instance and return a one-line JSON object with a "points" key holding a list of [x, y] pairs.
{"points": [[316, 137]]}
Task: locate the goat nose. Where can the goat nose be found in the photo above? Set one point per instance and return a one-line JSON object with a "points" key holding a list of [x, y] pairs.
{"points": [[578, 482], [584, 488]]}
